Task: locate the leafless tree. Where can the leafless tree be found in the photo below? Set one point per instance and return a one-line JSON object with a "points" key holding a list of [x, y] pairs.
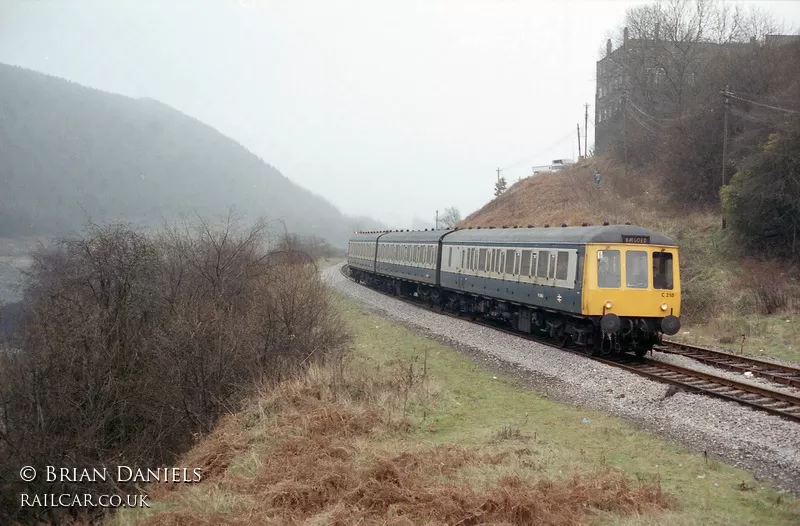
{"points": [[450, 218]]}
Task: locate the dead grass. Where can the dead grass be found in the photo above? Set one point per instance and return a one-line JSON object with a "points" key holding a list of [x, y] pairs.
{"points": [[570, 196], [309, 440]]}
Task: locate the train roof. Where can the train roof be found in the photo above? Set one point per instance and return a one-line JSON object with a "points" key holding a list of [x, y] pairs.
{"points": [[365, 236], [570, 235], [416, 236]]}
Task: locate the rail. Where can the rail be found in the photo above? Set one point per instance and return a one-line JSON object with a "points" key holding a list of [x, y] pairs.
{"points": [[778, 373]]}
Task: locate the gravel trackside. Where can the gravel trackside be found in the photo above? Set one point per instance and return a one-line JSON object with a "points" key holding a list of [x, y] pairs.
{"points": [[764, 444]]}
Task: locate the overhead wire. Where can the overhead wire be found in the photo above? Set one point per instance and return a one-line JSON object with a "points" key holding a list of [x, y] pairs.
{"points": [[645, 126], [657, 120], [753, 118], [760, 104]]}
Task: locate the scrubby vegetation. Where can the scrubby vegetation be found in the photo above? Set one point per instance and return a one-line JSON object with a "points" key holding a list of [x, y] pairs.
{"points": [[763, 199], [133, 343]]}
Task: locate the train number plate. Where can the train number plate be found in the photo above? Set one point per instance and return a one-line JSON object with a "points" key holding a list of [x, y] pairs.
{"points": [[641, 240]]}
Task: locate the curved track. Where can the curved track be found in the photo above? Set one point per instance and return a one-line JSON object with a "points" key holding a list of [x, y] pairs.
{"points": [[778, 373], [777, 403]]}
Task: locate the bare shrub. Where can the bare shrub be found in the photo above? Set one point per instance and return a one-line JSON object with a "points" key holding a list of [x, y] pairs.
{"points": [[131, 344], [772, 285]]}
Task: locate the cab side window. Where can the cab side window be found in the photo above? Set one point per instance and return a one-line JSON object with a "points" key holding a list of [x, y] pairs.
{"points": [[662, 270]]}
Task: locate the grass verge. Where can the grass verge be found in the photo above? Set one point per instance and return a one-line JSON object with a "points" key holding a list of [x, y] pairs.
{"points": [[760, 336], [411, 432]]}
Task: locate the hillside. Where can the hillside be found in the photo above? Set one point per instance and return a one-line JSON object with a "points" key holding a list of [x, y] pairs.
{"points": [[571, 197], [67, 151], [728, 293]]}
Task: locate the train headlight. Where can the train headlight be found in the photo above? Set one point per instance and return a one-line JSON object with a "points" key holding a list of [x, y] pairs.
{"points": [[664, 307], [609, 305]]}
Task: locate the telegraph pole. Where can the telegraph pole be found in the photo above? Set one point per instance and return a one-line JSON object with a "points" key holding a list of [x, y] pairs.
{"points": [[586, 131], [727, 102], [437, 219], [579, 140]]}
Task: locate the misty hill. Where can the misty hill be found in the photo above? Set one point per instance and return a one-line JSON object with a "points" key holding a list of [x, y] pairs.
{"points": [[67, 151]]}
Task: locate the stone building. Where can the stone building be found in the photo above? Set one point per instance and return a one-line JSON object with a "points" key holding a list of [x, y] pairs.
{"points": [[654, 75]]}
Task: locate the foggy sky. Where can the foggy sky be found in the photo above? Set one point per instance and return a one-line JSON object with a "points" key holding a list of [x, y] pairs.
{"points": [[390, 109]]}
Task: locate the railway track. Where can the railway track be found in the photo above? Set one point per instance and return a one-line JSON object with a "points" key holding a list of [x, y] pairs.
{"points": [[778, 373], [777, 403]]}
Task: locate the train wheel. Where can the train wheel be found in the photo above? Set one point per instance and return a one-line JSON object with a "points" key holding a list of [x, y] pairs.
{"points": [[561, 337], [640, 352]]}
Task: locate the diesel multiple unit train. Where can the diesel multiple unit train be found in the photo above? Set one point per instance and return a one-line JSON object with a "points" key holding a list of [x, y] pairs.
{"points": [[606, 289]]}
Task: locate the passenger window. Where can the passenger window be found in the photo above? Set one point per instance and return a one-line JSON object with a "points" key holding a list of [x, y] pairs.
{"points": [[662, 270], [510, 259], [450, 256], [482, 259], [526, 263], [552, 270], [433, 252], [493, 263], [541, 269], [608, 271], [636, 269], [463, 258], [534, 259], [562, 265]]}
